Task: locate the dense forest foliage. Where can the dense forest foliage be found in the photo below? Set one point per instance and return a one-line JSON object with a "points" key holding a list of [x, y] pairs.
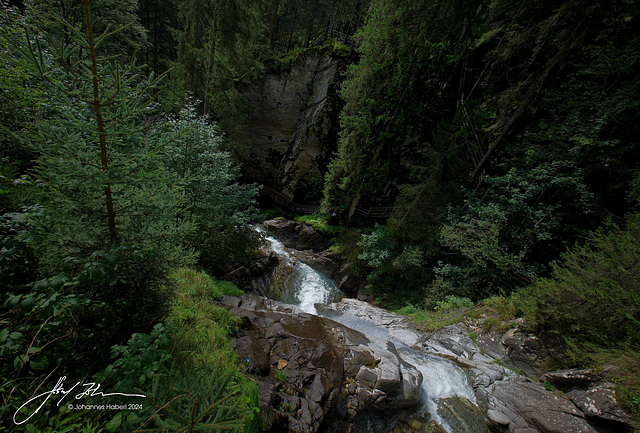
{"points": [[505, 134]]}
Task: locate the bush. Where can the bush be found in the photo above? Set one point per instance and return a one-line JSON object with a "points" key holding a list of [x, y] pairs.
{"points": [[454, 303], [186, 368], [594, 293], [320, 222], [219, 207]]}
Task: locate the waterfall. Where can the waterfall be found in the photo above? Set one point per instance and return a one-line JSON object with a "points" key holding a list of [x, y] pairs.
{"points": [[441, 377], [296, 283]]}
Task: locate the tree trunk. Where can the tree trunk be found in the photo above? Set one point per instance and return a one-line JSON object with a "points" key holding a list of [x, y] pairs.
{"points": [[521, 109], [97, 108], [212, 59], [274, 23]]}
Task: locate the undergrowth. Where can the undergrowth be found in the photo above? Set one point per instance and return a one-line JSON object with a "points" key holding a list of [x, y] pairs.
{"points": [[187, 368], [320, 222]]}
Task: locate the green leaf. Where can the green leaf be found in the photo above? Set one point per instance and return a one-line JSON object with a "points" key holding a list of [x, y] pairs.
{"points": [[16, 336], [133, 419], [27, 304], [20, 361], [39, 362], [114, 424], [58, 283], [13, 300], [40, 285]]}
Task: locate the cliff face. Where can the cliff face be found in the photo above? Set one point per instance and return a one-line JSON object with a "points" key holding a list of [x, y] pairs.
{"points": [[292, 131]]}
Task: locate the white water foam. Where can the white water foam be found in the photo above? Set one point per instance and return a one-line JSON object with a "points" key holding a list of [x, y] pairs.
{"points": [[311, 287], [441, 377]]}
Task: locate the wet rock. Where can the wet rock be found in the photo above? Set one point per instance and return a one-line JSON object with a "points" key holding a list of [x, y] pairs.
{"points": [[263, 260], [418, 424], [311, 239], [375, 380], [324, 262], [366, 377], [513, 403], [311, 368], [389, 378], [284, 230], [462, 415], [297, 235], [397, 326], [383, 381], [518, 406], [574, 377], [347, 281], [356, 357], [600, 403]]}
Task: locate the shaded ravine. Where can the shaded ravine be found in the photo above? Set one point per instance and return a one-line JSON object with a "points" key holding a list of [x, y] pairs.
{"points": [[299, 284]]}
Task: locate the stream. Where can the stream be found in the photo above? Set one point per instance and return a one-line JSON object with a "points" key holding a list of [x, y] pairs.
{"points": [[296, 283]]}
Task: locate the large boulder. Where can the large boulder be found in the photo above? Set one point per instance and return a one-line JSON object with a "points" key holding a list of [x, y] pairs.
{"points": [[325, 262], [570, 378], [514, 403], [284, 230], [518, 406], [533, 353], [462, 415], [600, 404], [311, 239], [310, 369]]}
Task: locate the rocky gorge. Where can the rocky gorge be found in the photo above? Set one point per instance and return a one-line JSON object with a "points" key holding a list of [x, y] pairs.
{"points": [[344, 365], [292, 128]]}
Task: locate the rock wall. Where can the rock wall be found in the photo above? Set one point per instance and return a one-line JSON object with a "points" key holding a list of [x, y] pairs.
{"points": [[292, 131]]}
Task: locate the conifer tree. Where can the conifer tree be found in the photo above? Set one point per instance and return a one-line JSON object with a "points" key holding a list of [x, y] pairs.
{"points": [[219, 42], [111, 208]]}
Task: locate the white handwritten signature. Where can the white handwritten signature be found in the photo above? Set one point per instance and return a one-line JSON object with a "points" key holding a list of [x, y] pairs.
{"points": [[91, 389]]}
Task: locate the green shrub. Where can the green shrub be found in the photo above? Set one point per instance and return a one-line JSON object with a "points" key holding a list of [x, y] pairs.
{"points": [[280, 375], [186, 368], [200, 284], [594, 293], [320, 222], [454, 303]]}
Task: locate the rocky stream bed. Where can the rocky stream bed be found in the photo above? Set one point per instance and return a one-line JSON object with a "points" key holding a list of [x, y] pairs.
{"points": [[327, 363]]}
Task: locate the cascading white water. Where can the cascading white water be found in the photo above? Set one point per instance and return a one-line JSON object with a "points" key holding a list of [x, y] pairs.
{"points": [[441, 377], [299, 283], [304, 286]]}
